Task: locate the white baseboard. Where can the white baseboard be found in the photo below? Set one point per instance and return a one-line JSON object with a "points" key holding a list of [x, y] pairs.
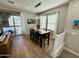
{"points": [[73, 52]]}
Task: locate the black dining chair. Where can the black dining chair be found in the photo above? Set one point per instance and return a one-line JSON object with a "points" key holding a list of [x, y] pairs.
{"points": [[31, 34], [36, 36], [44, 39]]}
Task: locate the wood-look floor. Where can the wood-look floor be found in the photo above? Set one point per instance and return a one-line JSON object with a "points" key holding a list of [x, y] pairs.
{"points": [[23, 47]]}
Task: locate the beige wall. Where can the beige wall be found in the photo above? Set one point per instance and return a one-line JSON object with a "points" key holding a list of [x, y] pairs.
{"points": [[26, 27], [61, 18], [72, 35]]}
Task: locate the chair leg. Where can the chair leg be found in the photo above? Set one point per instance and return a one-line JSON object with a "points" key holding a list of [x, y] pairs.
{"points": [[48, 42], [41, 42], [44, 43]]}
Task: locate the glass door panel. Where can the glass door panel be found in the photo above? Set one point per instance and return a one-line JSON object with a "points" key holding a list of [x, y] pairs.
{"points": [[12, 23], [17, 20], [8, 25]]}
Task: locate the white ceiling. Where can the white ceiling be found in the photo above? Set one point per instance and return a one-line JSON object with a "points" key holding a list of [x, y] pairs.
{"points": [[28, 5]]}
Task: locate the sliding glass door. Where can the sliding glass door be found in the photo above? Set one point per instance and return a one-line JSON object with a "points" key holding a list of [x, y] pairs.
{"points": [[11, 25], [10, 21], [17, 23]]}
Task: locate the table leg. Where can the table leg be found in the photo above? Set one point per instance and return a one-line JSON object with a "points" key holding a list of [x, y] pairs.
{"points": [[48, 38]]}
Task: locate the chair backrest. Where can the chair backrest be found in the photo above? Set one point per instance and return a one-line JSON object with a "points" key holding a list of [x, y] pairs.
{"points": [[31, 30]]}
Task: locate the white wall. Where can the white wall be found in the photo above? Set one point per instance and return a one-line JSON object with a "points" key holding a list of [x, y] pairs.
{"points": [[58, 44], [26, 27], [61, 18], [72, 35]]}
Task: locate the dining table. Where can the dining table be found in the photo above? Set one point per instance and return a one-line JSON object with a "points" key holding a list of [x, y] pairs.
{"points": [[43, 36]]}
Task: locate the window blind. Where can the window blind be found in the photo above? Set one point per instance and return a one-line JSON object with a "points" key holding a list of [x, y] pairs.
{"points": [[52, 21], [42, 21]]}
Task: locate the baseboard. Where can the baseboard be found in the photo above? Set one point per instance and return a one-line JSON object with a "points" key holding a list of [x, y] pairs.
{"points": [[73, 52]]}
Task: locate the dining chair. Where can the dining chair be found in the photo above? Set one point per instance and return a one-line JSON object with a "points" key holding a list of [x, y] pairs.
{"points": [[44, 40], [31, 34], [36, 36]]}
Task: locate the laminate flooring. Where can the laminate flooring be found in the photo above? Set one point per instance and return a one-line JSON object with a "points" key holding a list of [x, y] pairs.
{"points": [[23, 47]]}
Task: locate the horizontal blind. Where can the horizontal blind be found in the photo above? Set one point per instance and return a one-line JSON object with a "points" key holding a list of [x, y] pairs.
{"points": [[52, 21], [42, 21]]}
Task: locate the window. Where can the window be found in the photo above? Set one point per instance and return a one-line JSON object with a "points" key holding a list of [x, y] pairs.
{"points": [[11, 23], [17, 20], [52, 21], [42, 21]]}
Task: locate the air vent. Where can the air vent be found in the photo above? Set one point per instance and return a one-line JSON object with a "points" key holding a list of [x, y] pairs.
{"points": [[11, 2], [38, 4]]}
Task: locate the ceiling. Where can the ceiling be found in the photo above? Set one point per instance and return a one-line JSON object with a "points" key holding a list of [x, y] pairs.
{"points": [[28, 5]]}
